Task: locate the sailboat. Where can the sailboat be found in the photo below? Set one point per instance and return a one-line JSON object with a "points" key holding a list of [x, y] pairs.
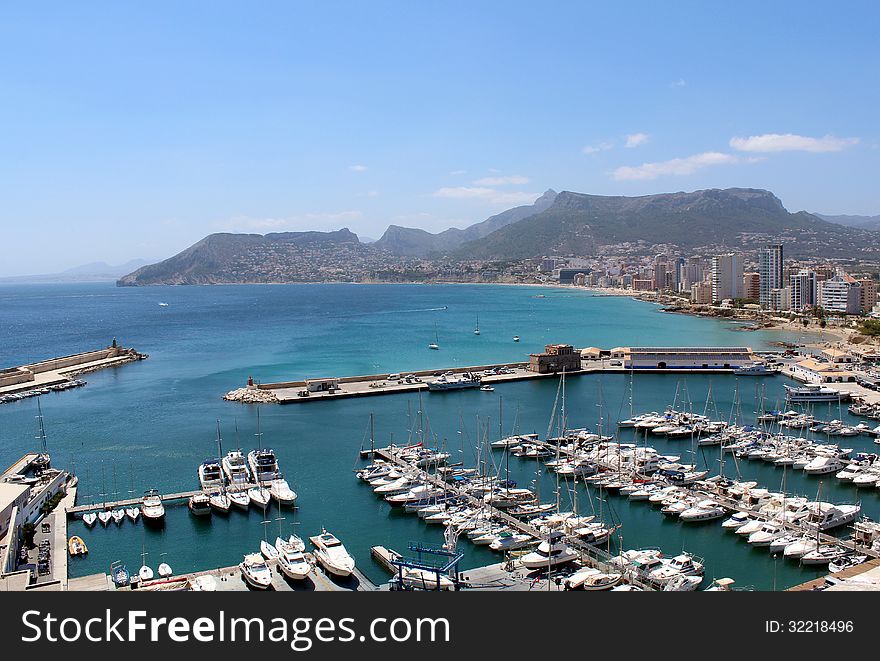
{"points": [[220, 501], [436, 343], [477, 328], [145, 573]]}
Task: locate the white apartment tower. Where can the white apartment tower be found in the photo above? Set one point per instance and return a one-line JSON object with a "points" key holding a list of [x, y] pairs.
{"points": [[770, 271], [727, 277]]}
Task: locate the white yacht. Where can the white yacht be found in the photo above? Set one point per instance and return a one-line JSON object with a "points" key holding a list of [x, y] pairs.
{"points": [[510, 541], [104, 517], [268, 550], [281, 491], [133, 513], [812, 392], [824, 554], [799, 548], [823, 465], [263, 465], [152, 507], [551, 552], [825, 516], [235, 468], [210, 475], [118, 516], [256, 572], [705, 510], [199, 504], [736, 521], [768, 532], [292, 560], [681, 565], [89, 518], [331, 554], [145, 574]]}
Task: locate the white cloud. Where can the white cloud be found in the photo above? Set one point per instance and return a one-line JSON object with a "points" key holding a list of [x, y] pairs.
{"points": [[595, 149], [357, 168], [299, 223], [674, 167], [636, 139], [458, 172], [502, 181], [373, 193], [485, 194], [773, 142], [681, 82]]}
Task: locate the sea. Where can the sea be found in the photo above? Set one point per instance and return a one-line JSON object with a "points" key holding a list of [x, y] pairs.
{"points": [[148, 425]]}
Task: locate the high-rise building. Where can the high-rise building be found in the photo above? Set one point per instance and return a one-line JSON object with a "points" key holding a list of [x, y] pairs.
{"points": [[727, 276], [803, 289], [868, 294], [701, 293], [840, 293], [780, 299], [770, 259], [751, 285]]}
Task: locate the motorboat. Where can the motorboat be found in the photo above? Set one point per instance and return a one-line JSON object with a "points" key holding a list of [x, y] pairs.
{"points": [[681, 565], [823, 465], [825, 516], [576, 580], [210, 475], [721, 585], [425, 579], [551, 552], [292, 560], [812, 392], [268, 550], [76, 546], [239, 498], [768, 532], [165, 570], [256, 572], [845, 562], [259, 496], [199, 504], [263, 465], [235, 468], [119, 575], [280, 490], [331, 554], [778, 545], [133, 513], [754, 369], [487, 388], [89, 518], [799, 548], [463, 381], [510, 541], [220, 501], [735, 521], [683, 583], [705, 510], [152, 507], [823, 555]]}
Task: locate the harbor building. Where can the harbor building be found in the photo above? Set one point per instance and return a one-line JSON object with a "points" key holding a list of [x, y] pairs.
{"points": [[727, 276], [683, 358], [770, 259], [837, 356], [817, 371], [555, 358]]}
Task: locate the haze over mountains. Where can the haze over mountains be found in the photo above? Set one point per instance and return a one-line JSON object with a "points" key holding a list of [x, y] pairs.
{"points": [[861, 222], [565, 223], [92, 272]]}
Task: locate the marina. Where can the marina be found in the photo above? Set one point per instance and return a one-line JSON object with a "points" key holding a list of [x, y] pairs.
{"points": [[316, 445]]}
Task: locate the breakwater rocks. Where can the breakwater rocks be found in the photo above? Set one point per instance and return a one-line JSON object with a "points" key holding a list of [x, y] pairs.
{"points": [[251, 396]]}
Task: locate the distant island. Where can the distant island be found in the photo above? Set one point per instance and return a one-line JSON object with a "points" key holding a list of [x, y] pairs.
{"points": [[499, 249]]}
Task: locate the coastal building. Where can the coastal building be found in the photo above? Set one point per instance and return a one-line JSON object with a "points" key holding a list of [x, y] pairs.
{"points": [[752, 285], [567, 275], [555, 358], [780, 299], [837, 356], [803, 289], [727, 276], [840, 293], [770, 260], [817, 371], [701, 293], [868, 294], [687, 358], [643, 284]]}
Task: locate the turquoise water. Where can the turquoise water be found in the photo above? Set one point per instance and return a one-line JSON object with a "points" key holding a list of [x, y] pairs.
{"points": [[149, 424]]}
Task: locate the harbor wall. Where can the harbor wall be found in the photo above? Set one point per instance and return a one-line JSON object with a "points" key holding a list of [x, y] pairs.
{"points": [[379, 377]]}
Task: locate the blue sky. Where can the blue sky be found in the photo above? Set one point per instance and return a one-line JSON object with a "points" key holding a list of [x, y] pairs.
{"points": [[134, 129]]}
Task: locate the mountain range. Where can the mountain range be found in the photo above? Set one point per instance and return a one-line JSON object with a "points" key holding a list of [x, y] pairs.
{"points": [[861, 222], [92, 272], [566, 223]]}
